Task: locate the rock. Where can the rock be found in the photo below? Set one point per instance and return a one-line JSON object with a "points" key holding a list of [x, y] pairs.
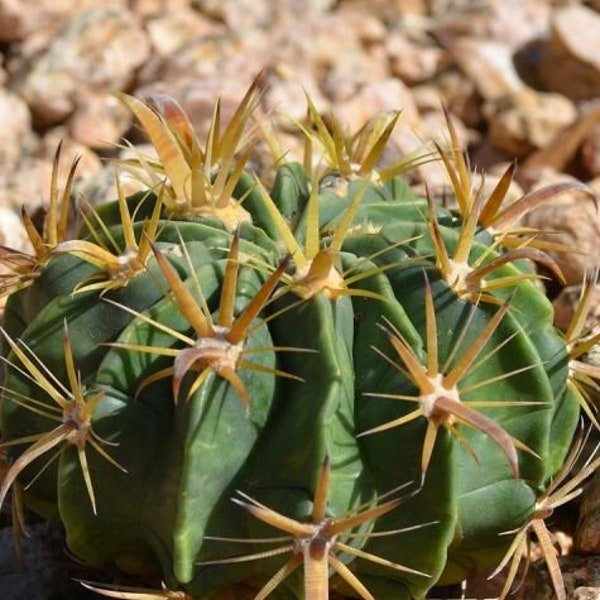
{"points": [[344, 64], [410, 62], [522, 122], [590, 151], [100, 120], [462, 19], [563, 148], [29, 185], [102, 186], [388, 94], [391, 11], [413, 139], [586, 593], [156, 8], [16, 136], [216, 60], [286, 91], [566, 303], [594, 185], [89, 162], [488, 64], [511, 22], [571, 63], [427, 98], [98, 50], [587, 538], [459, 94], [197, 96], [571, 220], [241, 15], [18, 20], [172, 30], [581, 575], [12, 232]]}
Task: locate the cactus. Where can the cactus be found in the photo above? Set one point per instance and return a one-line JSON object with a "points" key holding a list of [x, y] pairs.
{"points": [[326, 382]]}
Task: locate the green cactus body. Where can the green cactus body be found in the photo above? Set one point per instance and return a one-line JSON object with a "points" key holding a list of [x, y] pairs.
{"points": [[298, 370]]}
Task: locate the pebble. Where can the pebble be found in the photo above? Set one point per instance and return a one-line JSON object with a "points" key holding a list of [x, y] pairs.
{"points": [[99, 49], [571, 63], [571, 220]]}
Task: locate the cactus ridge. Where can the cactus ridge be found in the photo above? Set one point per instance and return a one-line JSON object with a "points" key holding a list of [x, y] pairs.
{"points": [[370, 372]]}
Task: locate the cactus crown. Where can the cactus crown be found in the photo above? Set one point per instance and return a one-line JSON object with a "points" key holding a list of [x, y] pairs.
{"points": [[331, 356]]}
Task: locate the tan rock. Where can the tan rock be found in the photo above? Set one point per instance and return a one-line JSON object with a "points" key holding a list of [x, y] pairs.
{"points": [[13, 17], [240, 15], [197, 96], [563, 148], [587, 538], [89, 165], [566, 303], [571, 64], [410, 62], [169, 31], [527, 120], [427, 97], [29, 186], [511, 22], [367, 26], [286, 91], [572, 220], [16, 136], [391, 11], [416, 139], [339, 64], [488, 64], [349, 62], [388, 94], [18, 20], [586, 593], [156, 8], [102, 187], [12, 232], [590, 151], [575, 570], [459, 94], [594, 185], [89, 162], [100, 50], [223, 59], [100, 121]]}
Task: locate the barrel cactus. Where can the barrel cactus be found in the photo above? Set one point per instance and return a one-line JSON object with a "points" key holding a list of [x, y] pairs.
{"points": [[313, 382]]}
